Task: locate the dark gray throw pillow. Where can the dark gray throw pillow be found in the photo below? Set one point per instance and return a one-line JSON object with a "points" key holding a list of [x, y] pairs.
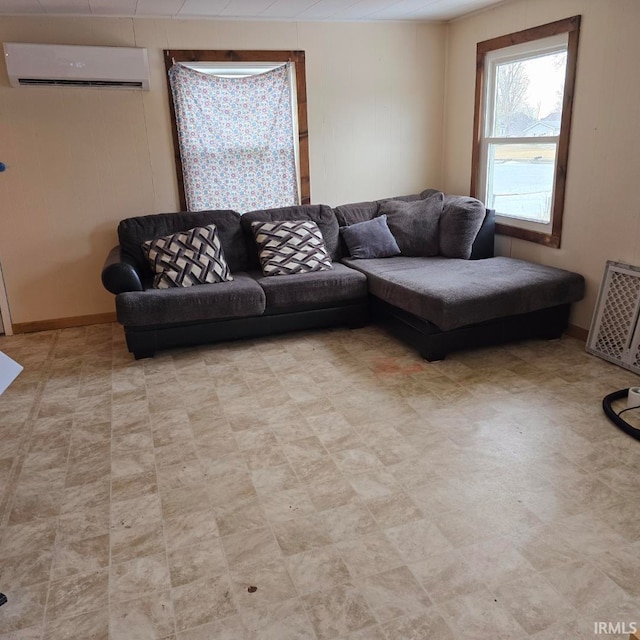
{"points": [[460, 222], [370, 239], [414, 225]]}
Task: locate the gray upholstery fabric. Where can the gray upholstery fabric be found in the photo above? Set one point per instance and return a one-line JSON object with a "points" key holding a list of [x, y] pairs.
{"points": [[414, 225], [412, 197], [348, 214], [460, 222], [132, 232], [321, 214], [370, 239], [237, 299], [453, 293], [316, 289]]}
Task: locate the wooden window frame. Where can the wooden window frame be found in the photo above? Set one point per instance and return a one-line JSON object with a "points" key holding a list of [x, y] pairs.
{"points": [[207, 55], [570, 26]]}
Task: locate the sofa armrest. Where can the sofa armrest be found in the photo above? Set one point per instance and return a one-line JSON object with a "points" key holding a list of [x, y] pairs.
{"points": [[483, 245], [119, 273]]}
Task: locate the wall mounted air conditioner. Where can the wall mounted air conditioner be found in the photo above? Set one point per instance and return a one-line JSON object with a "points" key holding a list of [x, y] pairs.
{"points": [[57, 65]]}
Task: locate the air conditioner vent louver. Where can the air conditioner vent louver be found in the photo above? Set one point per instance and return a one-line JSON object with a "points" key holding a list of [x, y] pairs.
{"points": [[45, 82], [615, 333]]}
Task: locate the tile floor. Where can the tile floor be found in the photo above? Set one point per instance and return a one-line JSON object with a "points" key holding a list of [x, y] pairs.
{"points": [[366, 493]]}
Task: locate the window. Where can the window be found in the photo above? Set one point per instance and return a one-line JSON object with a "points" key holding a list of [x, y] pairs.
{"points": [[235, 113], [524, 94]]}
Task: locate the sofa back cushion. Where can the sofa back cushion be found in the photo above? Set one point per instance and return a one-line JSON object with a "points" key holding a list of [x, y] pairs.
{"points": [[460, 222], [415, 224], [132, 232], [321, 214], [348, 214]]}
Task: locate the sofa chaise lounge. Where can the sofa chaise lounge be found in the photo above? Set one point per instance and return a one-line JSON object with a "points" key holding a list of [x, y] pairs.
{"points": [[437, 304]]}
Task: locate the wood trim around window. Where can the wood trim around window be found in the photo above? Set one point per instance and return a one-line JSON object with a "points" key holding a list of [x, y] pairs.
{"points": [[205, 55], [571, 26]]}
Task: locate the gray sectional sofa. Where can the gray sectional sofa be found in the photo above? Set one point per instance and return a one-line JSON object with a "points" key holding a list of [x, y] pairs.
{"points": [[438, 304]]}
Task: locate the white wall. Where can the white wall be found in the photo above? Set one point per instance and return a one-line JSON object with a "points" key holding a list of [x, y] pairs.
{"points": [[602, 207], [80, 160]]}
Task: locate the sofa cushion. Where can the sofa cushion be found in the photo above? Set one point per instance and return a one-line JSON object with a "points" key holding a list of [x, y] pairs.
{"points": [[348, 214], [322, 215], [132, 232], [460, 222], [414, 225], [290, 247], [312, 290], [370, 239], [239, 298], [452, 293], [187, 258], [355, 212]]}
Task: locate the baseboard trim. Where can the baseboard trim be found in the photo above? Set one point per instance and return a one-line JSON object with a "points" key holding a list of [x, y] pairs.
{"points": [[577, 332], [63, 323]]}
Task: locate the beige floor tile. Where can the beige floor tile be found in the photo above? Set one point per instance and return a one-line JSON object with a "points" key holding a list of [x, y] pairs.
{"points": [[369, 554], [26, 610], [418, 540], [203, 601], [80, 556], [394, 510], [583, 585], [283, 621], [283, 505], [331, 491], [190, 529], [337, 611], [317, 569], [89, 626], [92, 495], [24, 570], [240, 515], [429, 624], [269, 577], [533, 602], [446, 576], [348, 521], [77, 594], [151, 616], [300, 534], [231, 628], [27, 538], [138, 577], [478, 616], [496, 562], [622, 565], [191, 563], [274, 479], [394, 593], [136, 542]]}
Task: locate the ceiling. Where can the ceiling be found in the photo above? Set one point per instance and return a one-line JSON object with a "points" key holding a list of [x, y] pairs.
{"points": [[331, 10]]}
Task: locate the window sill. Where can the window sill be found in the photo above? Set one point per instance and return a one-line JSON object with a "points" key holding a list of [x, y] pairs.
{"points": [[547, 239]]}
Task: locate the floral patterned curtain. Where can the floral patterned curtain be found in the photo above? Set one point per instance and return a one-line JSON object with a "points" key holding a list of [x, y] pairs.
{"points": [[236, 139]]}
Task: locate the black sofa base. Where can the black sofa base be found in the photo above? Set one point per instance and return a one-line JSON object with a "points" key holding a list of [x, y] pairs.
{"points": [[434, 344], [143, 342]]}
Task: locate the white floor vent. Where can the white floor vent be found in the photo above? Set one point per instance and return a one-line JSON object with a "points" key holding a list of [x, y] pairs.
{"points": [[615, 331]]}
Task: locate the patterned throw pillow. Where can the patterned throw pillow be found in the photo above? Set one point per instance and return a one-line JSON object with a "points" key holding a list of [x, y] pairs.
{"points": [[292, 246], [187, 258]]}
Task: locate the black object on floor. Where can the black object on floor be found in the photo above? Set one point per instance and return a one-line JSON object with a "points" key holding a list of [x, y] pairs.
{"points": [[3, 599], [616, 418]]}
